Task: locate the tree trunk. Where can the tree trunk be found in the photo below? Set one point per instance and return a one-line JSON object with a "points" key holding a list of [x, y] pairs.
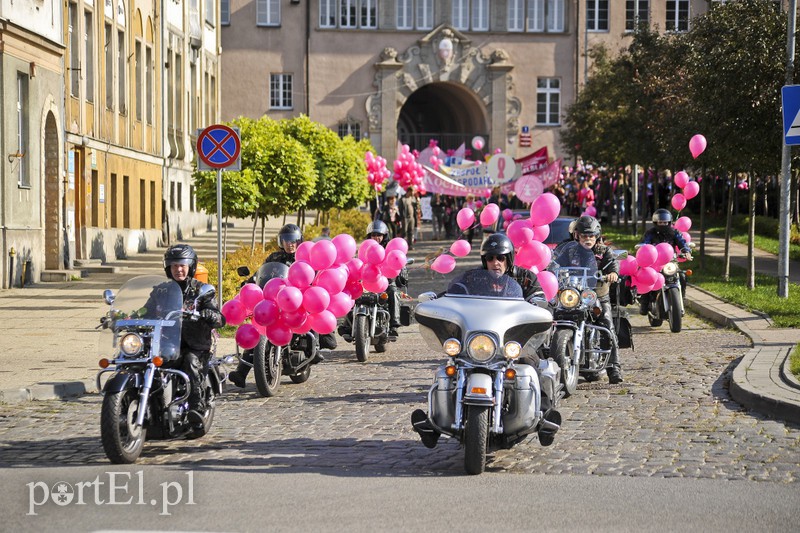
{"points": [[263, 233], [751, 233], [225, 240], [726, 276], [703, 188], [256, 216]]}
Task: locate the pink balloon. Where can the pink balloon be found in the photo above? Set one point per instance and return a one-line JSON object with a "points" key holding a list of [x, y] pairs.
{"points": [[396, 259], [591, 211], [507, 214], [545, 209], [388, 271], [303, 328], [365, 245], [323, 322], [322, 255], [375, 255], [681, 179], [627, 267], [549, 283], [686, 236], [683, 224], [377, 285], [465, 218], [659, 282], [691, 190], [460, 248], [234, 312], [647, 276], [542, 255], [266, 312], [665, 253], [262, 330], [646, 255], [294, 320], [272, 288], [697, 145], [340, 304], [527, 255], [345, 247], [303, 251], [247, 336], [370, 272], [490, 214], [540, 233], [289, 299], [332, 280], [520, 233], [443, 264], [316, 299], [397, 243], [250, 295], [354, 289], [301, 274], [279, 334], [354, 267], [678, 201]]}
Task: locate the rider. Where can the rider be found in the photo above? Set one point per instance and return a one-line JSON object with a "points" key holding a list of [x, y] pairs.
{"points": [[289, 238], [378, 231], [586, 231], [497, 256], [180, 264], [662, 231]]}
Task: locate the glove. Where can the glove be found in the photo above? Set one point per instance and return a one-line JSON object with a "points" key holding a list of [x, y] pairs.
{"points": [[209, 315]]}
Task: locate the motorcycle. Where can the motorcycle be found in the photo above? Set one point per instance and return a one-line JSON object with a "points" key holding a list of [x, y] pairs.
{"points": [[578, 340], [667, 302], [146, 396], [270, 362], [368, 323], [487, 395]]}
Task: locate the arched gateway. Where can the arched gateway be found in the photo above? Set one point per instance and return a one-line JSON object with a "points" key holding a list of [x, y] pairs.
{"points": [[443, 88]]}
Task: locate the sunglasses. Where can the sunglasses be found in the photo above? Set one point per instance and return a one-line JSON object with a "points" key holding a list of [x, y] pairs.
{"points": [[501, 258], [587, 236]]}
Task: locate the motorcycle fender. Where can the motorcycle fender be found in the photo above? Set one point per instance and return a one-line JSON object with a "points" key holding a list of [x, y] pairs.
{"points": [[479, 390], [361, 310], [123, 381], [524, 399]]}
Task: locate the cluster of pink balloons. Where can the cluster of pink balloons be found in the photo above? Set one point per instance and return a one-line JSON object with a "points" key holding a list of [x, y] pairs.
{"points": [[434, 159], [690, 190], [645, 267], [407, 171], [377, 172], [321, 286]]}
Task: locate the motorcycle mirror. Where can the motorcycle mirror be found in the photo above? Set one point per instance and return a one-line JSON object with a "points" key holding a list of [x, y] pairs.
{"points": [[410, 261], [243, 271], [620, 254], [205, 290], [108, 296], [427, 296], [692, 245]]}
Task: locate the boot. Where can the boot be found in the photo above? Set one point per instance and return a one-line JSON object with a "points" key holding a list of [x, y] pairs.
{"points": [[614, 375], [239, 376], [428, 436]]}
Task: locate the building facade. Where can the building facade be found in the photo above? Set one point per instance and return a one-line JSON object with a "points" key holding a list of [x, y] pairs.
{"points": [[415, 70]]}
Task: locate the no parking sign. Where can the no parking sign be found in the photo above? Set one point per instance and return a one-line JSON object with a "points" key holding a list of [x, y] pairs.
{"points": [[218, 147]]}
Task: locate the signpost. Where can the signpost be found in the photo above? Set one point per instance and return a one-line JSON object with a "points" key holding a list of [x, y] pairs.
{"points": [[219, 146]]}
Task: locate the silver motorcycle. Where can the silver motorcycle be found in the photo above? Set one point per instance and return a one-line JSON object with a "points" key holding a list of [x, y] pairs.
{"points": [[494, 391]]}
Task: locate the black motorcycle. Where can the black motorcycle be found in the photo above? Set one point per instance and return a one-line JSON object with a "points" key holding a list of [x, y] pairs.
{"points": [[146, 396], [667, 302]]}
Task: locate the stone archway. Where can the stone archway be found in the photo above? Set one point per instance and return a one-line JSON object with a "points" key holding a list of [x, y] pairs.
{"points": [[52, 196], [446, 60]]}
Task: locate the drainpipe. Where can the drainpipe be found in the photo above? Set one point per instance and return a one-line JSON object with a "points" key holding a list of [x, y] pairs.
{"points": [[308, 59], [11, 259]]}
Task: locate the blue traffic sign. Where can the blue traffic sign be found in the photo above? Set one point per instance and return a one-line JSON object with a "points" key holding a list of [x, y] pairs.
{"points": [[218, 146], [790, 95]]}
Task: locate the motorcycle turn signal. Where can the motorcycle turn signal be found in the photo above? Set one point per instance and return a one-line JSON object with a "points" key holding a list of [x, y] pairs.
{"points": [[104, 363], [450, 371]]}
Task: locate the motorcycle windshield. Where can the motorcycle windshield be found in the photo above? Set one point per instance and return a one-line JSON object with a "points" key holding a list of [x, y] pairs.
{"points": [[484, 283], [271, 270], [575, 266], [145, 305]]}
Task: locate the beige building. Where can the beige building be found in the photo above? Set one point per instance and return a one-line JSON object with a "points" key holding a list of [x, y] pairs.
{"points": [[415, 70]]}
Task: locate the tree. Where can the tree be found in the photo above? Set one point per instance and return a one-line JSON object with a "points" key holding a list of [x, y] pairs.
{"points": [[239, 193]]}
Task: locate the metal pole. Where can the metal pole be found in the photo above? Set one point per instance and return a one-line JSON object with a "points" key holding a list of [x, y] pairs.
{"points": [[784, 220], [219, 237]]}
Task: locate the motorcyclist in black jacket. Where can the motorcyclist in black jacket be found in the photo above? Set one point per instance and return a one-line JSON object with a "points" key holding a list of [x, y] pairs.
{"points": [[662, 231], [180, 264]]}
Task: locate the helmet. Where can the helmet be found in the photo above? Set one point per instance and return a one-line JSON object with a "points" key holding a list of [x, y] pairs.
{"points": [[588, 225], [498, 244], [378, 226], [288, 234], [180, 254], [662, 215]]}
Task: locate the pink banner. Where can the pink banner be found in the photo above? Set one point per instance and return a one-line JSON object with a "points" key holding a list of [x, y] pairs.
{"points": [[533, 162]]}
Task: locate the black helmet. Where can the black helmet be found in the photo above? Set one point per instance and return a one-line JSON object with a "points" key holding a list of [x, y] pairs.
{"points": [[180, 254], [588, 225], [290, 233], [498, 244], [662, 215], [378, 226]]}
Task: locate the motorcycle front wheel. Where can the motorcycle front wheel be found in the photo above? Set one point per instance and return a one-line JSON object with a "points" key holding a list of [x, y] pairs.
{"points": [[476, 438], [562, 351], [122, 441], [654, 313], [361, 336], [267, 366], [674, 299]]}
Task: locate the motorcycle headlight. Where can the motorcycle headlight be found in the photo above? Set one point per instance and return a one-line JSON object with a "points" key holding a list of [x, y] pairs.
{"points": [[588, 297], [512, 350], [569, 298], [670, 269], [452, 347], [130, 344], [481, 348]]}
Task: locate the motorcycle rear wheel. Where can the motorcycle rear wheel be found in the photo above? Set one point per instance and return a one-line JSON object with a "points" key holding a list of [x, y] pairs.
{"points": [[361, 336], [674, 317], [561, 350], [476, 438], [121, 441], [267, 367]]}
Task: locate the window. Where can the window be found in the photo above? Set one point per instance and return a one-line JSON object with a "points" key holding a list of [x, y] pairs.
{"points": [[537, 16], [350, 128], [471, 15], [636, 12], [148, 90], [22, 129], [210, 12], [88, 64], [123, 108], [327, 13], [548, 102], [369, 14], [677, 15], [597, 15], [109, 46], [424, 14], [225, 12], [280, 91], [404, 15], [74, 51], [268, 13], [179, 92], [138, 73], [414, 14], [349, 14]]}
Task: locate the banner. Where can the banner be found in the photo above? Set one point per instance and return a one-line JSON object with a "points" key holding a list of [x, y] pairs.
{"points": [[530, 186], [533, 162]]}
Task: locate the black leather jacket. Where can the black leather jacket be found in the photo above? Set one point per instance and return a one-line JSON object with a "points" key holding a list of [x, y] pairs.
{"points": [[196, 334]]}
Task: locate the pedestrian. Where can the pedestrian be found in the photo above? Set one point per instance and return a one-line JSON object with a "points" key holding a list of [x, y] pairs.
{"points": [[409, 207]]}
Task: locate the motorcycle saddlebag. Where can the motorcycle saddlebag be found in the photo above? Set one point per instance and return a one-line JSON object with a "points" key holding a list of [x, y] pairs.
{"points": [[405, 315], [623, 292], [624, 333]]}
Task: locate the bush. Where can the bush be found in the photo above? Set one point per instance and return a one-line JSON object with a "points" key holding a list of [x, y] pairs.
{"points": [[351, 221]]}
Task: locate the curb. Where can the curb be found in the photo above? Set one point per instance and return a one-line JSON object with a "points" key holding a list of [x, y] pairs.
{"points": [[48, 391]]}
